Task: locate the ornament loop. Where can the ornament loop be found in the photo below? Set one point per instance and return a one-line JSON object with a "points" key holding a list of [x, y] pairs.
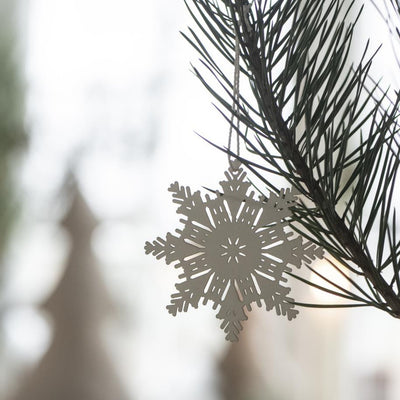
{"points": [[235, 104]]}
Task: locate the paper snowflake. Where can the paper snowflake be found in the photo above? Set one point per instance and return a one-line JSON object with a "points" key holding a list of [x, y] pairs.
{"points": [[234, 251]]}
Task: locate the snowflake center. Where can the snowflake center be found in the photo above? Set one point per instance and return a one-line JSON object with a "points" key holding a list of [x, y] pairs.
{"points": [[233, 250]]}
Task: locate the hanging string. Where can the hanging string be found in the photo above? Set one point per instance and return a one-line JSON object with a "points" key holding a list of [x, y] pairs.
{"points": [[235, 104]]}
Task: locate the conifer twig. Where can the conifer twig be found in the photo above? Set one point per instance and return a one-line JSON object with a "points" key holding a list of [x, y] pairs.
{"points": [[308, 107]]}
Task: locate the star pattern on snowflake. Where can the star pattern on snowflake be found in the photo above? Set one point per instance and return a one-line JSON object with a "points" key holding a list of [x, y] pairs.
{"points": [[234, 250]]}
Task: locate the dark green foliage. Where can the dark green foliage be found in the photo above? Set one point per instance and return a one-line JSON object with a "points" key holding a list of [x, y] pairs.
{"points": [[12, 129], [317, 120]]}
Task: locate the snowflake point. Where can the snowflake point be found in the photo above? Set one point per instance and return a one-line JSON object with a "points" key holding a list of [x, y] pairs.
{"points": [[174, 187], [231, 337], [173, 308], [148, 247]]}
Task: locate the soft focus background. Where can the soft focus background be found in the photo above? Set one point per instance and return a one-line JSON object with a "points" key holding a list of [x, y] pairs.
{"points": [[97, 112]]}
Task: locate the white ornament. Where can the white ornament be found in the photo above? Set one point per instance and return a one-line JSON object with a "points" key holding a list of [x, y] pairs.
{"points": [[234, 251]]}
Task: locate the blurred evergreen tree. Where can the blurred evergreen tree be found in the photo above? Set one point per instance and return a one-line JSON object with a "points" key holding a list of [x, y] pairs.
{"points": [[12, 126], [12, 111], [76, 365]]}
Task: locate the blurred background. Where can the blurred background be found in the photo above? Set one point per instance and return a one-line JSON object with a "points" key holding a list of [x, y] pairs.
{"points": [[98, 109]]}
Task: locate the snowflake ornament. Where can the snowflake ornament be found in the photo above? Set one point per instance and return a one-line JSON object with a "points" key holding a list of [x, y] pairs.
{"points": [[234, 251]]}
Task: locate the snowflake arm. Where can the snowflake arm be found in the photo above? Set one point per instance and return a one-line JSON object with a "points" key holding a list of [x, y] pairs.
{"points": [[190, 204], [189, 294], [232, 315], [173, 248]]}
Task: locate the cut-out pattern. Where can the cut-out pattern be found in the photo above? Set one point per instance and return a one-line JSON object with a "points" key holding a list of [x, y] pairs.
{"points": [[234, 251]]}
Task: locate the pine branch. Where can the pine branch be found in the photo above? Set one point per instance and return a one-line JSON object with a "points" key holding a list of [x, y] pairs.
{"points": [[306, 110]]}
